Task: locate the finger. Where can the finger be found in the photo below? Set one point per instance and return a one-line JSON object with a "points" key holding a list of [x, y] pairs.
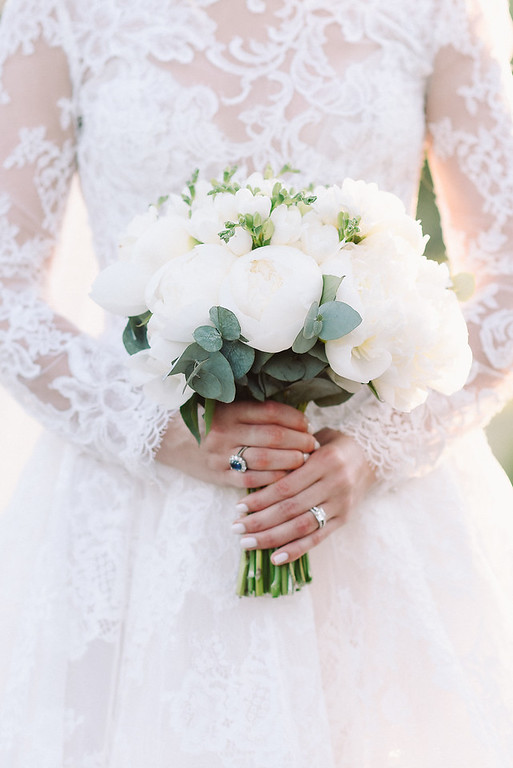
{"points": [[289, 486], [270, 412], [250, 479], [264, 459], [295, 549], [263, 436], [293, 538], [289, 509]]}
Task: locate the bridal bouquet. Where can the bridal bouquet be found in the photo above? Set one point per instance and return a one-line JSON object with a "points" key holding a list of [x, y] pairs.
{"points": [[250, 289]]}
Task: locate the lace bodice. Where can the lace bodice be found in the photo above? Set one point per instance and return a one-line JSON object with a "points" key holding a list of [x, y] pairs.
{"points": [[136, 95]]}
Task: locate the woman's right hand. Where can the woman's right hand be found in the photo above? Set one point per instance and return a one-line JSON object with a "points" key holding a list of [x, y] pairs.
{"points": [[276, 435]]}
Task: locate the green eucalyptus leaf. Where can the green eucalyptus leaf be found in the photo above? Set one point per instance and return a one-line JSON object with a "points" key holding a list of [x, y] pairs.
{"points": [[330, 286], [209, 338], [308, 390], [254, 386], [310, 320], [261, 359], [240, 357], [338, 319], [189, 414], [313, 366], [226, 323], [302, 344], [205, 383], [210, 406], [135, 336], [192, 355], [270, 386], [285, 366], [213, 379], [319, 351], [336, 399]]}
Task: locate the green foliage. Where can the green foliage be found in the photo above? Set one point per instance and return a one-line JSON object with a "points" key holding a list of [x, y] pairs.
{"points": [[348, 228], [135, 336]]}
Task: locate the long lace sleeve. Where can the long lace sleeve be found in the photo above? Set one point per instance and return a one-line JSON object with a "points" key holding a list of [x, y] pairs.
{"points": [[70, 382], [470, 147]]}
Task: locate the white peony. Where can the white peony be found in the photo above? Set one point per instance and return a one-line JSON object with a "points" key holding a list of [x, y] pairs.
{"points": [[413, 337], [149, 242], [181, 293], [271, 290], [318, 239]]}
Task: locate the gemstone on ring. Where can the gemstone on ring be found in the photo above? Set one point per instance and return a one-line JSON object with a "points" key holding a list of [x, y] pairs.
{"points": [[237, 462], [320, 515]]}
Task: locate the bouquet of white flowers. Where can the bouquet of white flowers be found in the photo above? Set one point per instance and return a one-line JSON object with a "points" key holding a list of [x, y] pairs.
{"points": [[250, 289]]}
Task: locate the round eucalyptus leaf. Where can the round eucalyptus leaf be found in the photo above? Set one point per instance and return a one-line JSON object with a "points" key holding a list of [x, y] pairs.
{"points": [[209, 338]]}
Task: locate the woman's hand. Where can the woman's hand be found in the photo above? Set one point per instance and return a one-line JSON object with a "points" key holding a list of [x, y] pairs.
{"points": [[336, 477], [276, 436]]}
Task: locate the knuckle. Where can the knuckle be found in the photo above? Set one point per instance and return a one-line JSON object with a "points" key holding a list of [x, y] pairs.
{"points": [[274, 436], [283, 487], [260, 458], [287, 509], [303, 525]]}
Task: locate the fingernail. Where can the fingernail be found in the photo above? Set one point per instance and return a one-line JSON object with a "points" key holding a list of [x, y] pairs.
{"points": [[238, 528], [305, 457], [310, 428], [248, 542], [279, 559], [317, 445], [241, 509]]}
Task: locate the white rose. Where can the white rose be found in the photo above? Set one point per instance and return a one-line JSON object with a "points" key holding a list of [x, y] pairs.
{"points": [[271, 290], [287, 222], [181, 293]]}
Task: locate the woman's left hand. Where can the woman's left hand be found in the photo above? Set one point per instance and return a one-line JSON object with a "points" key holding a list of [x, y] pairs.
{"points": [[336, 477]]}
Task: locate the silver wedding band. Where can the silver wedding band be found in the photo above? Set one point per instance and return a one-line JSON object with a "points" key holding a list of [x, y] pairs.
{"points": [[237, 462], [320, 515]]}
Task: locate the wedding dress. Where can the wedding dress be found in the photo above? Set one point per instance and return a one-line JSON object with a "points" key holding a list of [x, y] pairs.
{"points": [[122, 643]]}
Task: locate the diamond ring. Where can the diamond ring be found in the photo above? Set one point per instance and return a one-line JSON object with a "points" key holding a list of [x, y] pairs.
{"points": [[237, 462], [320, 515]]}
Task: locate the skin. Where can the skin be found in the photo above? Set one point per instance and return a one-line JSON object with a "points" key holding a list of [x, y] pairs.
{"points": [[293, 469]]}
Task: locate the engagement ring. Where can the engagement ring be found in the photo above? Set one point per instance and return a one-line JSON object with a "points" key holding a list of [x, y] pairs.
{"points": [[237, 462]]}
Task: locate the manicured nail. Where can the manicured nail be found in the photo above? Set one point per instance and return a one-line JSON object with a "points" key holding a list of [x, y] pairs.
{"points": [[310, 428], [279, 559], [317, 445], [305, 457], [238, 528], [241, 508], [248, 542]]}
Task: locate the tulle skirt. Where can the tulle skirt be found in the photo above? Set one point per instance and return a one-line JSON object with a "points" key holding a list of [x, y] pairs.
{"points": [[123, 645]]}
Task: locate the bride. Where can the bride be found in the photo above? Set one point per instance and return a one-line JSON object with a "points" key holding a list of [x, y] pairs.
{"points": [[123, 644]]}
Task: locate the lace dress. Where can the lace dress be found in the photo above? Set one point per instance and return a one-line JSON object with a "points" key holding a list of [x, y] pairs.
{"points": [[122, 644]]}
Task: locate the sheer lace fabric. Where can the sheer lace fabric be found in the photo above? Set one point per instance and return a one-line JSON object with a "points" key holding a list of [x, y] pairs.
{"points": [[129, 648]]}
